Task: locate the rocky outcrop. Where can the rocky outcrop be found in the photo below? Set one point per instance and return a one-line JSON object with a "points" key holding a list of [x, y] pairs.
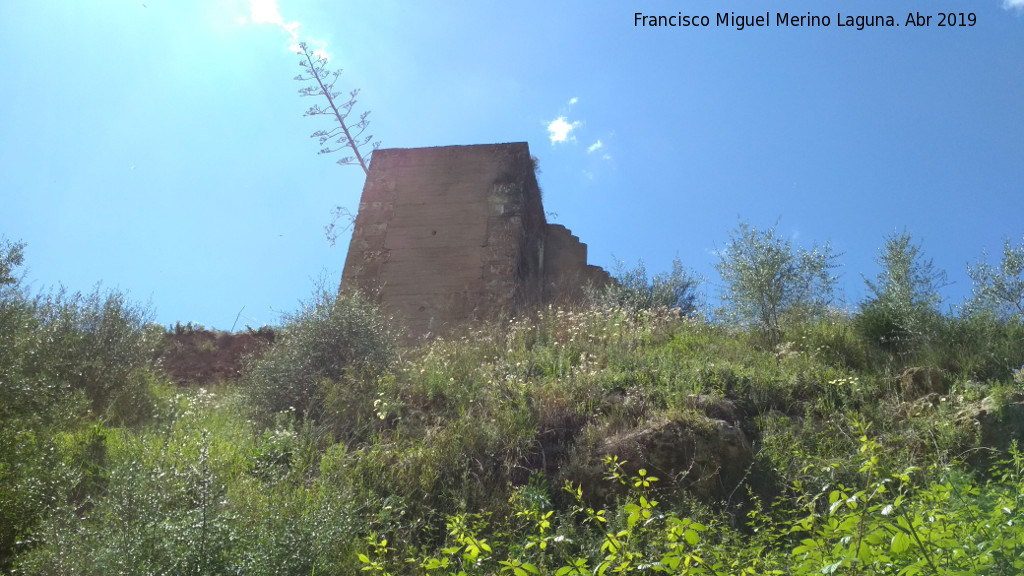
{"points": [[707, 457], [922, 381], [715, 408], [998, 422]]}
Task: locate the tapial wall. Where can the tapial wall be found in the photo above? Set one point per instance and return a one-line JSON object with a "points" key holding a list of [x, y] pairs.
{"points": [[457, 233]]}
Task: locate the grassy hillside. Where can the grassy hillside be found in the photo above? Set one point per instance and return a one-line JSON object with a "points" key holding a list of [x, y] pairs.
{"points": [[602, 439]]}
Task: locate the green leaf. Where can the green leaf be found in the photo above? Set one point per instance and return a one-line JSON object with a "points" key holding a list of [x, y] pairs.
{"points": [[911, 570], [807, 545], [691, 537], [578, 566], [900, 543], [831, 568], [865, 554], [671, 561], [875, 538]]}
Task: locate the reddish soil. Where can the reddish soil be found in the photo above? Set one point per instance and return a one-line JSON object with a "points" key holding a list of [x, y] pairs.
{"points": [[200, 357]]}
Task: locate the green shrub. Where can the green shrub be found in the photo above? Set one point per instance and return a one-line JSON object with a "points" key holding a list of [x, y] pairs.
{"points": [[979, 345], [62, 357], [325, 363], [1000, 290], [632, 290], [901, 316], [35, 477], [100, 343], [829, 337], [765, 276], [452, 453]]}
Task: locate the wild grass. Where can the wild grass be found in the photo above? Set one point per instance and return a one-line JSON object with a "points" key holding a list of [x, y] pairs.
{"points": [[342, 450]]}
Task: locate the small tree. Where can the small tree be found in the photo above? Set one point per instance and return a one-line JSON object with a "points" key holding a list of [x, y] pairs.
{"points": [[903, 309], [766, 276], [12, 255], [325, 363], [634, 291], [1000, 290]]}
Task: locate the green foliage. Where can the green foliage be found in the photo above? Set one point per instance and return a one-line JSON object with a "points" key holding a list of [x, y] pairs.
{"points": [[830, 337], [896, 525], [902, 312], [65, 360], [99, 343], [978, 345], [12, 255], [765, 276], [436, 489], [193, 495], [632, 290], [1000, 290], [325, 363], [34, 477], [447, 458]]}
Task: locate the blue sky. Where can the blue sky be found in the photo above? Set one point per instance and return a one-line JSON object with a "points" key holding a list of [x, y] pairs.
{"points": [[159, 146]]}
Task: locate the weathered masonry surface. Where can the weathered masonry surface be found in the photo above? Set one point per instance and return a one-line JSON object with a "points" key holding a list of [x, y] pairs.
{"points": [[452, 234]]}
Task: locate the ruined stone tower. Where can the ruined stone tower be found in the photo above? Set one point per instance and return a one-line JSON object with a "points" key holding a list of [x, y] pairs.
{"points": [[456, 233]]}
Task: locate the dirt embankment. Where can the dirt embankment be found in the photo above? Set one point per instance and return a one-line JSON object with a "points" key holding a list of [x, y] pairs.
{"points": [[200, 357]]}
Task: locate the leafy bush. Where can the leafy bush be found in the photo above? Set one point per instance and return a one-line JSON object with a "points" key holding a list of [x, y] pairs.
{"points": [[325, 363], [54, 345], [35, 476], [12, 255], [902, 313], [632, 290], [61, 357], [765, 276], [1000, 290], [100, 343], [978, 345]]}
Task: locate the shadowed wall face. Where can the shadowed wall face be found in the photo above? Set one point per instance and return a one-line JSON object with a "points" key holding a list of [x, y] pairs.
{"points": [[451, 234]]}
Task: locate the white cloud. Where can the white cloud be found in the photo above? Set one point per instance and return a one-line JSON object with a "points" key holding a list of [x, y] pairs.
{"points": [[574, 100], [607, 157], [560, 130], [266, 12], [595, 147], [1010, 4], [321, 52]]}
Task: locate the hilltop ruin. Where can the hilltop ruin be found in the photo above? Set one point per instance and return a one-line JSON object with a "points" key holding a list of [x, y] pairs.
{"points": [[452, 234]]}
